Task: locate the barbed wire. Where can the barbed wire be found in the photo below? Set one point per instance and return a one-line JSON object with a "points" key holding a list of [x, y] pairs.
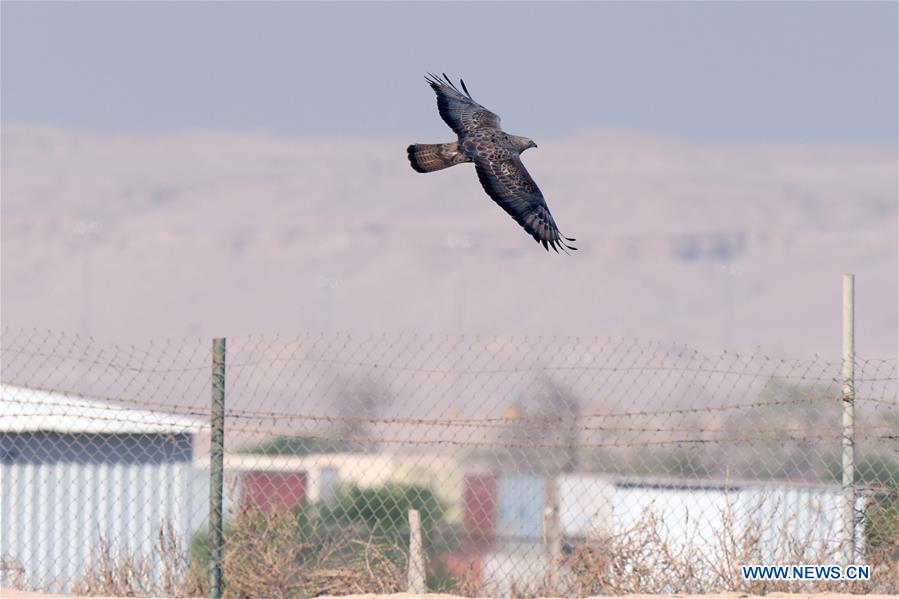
{"points": [[375, 440], [340, 419], [514, 422]]}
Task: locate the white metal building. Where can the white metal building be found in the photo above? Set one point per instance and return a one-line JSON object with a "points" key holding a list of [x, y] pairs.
{"points": [[693, 518], [75, 470]]}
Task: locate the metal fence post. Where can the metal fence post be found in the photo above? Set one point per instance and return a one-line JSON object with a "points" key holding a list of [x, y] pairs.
{"points": [[216, 468], [848, 436]]}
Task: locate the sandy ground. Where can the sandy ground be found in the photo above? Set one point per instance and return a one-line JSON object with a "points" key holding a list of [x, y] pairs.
{"points": [[715, 596], [11, 594]]}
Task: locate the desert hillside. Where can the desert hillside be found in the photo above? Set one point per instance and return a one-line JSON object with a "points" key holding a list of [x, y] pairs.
{"points": [[206, 233]]}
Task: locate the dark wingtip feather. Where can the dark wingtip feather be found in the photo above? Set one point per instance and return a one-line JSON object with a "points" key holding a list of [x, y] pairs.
{"points": [[462, 81], [433, 80], [410, 151], [570, 247], [450, 83]]}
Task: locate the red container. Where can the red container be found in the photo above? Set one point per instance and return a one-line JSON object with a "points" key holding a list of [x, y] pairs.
{"points": [[479, 517], [272, 492]]}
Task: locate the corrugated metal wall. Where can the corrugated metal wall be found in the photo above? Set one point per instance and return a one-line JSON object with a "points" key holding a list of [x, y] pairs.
{"points": [[590, 506], [54, 514], [694, 519]]}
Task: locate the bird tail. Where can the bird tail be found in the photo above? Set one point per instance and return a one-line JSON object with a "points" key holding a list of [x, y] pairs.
{"points": [[426, 158]]}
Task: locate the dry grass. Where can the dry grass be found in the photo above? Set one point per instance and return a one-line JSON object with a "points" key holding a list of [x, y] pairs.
{"points": [[13, 573], [167, 571], [636, 561], [268, 555], [641, 561], [272, 555], [265, 555]]}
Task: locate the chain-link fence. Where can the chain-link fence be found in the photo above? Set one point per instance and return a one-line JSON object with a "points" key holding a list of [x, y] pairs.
{"points": [[539, 466]]}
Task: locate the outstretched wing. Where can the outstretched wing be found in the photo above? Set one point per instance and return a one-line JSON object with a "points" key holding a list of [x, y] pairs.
{"points": [[458, 109], [511, 186]]}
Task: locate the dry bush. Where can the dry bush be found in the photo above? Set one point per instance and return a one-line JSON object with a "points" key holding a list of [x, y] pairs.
{"points": [[117, 571], [468, 585], [635, 561], [270, 555], [741, 545], [262, 556], [640, 560], [276, 555], [12, 573], [265, 555], [374, 570]]}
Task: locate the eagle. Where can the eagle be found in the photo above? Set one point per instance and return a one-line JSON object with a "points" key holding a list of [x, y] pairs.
{"points": [[497, 160]]}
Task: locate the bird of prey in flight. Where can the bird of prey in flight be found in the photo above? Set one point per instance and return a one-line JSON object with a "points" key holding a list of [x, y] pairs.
{"points": [[497, 159]]}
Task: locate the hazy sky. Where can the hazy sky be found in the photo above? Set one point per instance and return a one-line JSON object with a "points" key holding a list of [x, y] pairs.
{"points": [[755, 71]]}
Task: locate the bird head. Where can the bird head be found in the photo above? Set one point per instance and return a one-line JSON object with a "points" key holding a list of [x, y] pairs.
{"points": [[523, 143]]}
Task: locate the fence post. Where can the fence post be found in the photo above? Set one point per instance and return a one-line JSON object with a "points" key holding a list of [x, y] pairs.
{"points": [[216, 468], [552, 533], [416, 574], [848, 437]]}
